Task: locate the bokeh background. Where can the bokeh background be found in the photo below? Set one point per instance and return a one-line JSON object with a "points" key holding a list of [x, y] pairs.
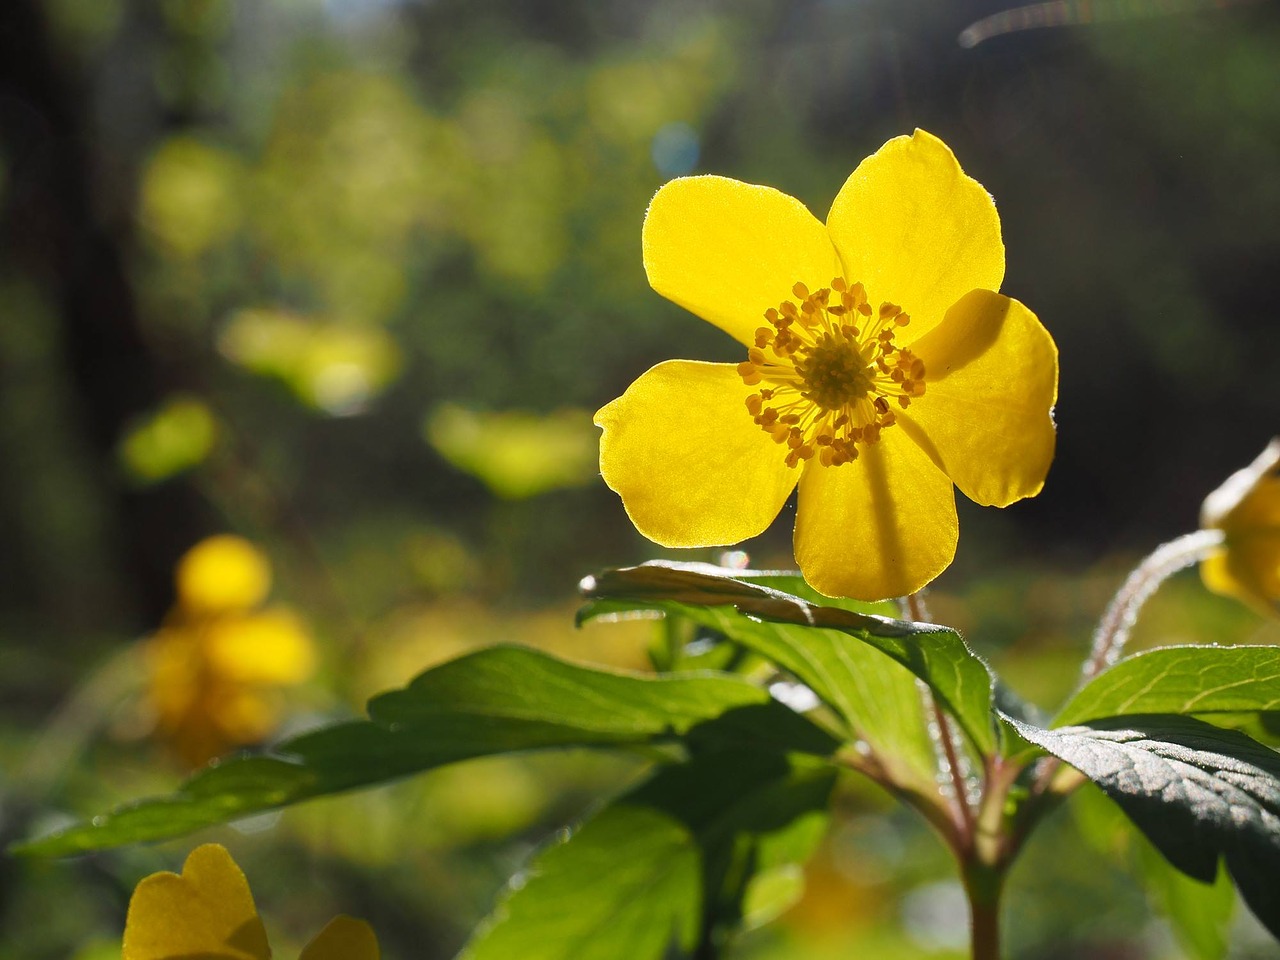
{"points": [[348, 277]]}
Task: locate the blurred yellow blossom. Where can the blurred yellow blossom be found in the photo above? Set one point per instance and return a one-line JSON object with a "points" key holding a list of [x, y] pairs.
{"points": [[217, 660], [207, 912], [1246, 508], [222, 574], [881, 368]]}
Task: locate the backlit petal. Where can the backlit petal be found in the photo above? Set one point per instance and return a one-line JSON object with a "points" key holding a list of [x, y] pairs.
{"points": [[991, 382], [882, 526], [207, 912], [728, 251], [1257, 513], [223, 574], [344, 938], [1249, 565], [1234, 573], [691, 466], [270, 647], [916, 230]]}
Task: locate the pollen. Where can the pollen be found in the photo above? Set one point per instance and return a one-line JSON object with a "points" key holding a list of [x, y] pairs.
{"points": [[830, 373]]}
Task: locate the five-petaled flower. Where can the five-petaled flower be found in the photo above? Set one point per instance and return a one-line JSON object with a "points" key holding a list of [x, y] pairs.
{"points": [[882, 367], [219, 659], [1246, 509], [208, 913]]}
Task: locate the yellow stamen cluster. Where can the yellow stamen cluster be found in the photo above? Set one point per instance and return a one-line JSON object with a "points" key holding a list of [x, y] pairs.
{"points": [[828, 367]]}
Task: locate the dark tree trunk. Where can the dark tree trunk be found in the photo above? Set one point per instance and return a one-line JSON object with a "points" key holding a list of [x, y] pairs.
{"points": [[54, 235]]}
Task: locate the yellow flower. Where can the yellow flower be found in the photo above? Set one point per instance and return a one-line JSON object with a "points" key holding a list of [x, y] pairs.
{"points": [[207, 912], [222, 574], [881, 368], [1247, 510], [215, 663]]}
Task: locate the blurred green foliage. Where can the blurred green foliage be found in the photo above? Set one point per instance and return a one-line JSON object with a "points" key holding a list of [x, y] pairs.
{"points": [[315, 226]]}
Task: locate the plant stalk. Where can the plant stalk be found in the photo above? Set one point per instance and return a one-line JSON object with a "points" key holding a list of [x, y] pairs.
{"points": [[1113, 629], [984, 885], [948, 756]]}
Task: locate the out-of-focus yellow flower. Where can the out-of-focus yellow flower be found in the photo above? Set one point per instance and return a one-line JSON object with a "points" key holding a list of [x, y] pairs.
{"points": [[207, 912], [884, 370], [222, 574], [217, 661], [1247, 510]]}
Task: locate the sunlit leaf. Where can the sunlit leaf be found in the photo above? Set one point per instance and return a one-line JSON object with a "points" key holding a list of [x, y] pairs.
{"points": [[1186, 679], [810, 640], [630, 874], [1198, 913], [494, 701], [667, 866]]}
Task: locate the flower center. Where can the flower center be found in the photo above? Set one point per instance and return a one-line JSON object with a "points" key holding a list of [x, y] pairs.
{"points": [[828, 367], [835, 372]]}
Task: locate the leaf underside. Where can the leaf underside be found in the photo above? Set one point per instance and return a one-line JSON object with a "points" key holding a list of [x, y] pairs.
{"points": [[755, 614], [1198, 792]]}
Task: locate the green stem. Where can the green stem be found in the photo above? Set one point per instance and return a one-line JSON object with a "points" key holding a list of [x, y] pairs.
{"points": [[980, 836], [1113, 629], [984, 885], [986, 864], [945, 743]]}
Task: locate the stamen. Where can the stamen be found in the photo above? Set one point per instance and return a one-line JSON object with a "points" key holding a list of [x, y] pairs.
{"points": [[826, 383]]}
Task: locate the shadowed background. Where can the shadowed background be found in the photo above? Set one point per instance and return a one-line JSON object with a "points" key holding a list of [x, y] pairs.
{"points": [[348, 278]]}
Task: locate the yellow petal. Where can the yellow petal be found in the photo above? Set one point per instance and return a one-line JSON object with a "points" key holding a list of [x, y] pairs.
{"points": [[344, 938], [207, 912], [916, 230], [1257, 513], [223, 574], [1233, 573], [271, 647], [991, 379], [728, 251], [1220, 506], [882, 526], [692, 467], [1248, 567]]}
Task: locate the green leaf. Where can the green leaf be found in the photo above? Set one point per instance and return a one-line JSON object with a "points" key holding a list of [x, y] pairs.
{"points": [[496, 700], [793, 583], [879, 697], [1198, 792], [630, 876], [1188, 679], [509, 698], [666, 866], [810, 641], [1199, 914]]}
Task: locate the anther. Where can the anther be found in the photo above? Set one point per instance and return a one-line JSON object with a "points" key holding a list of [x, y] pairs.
{"points": [[819, 369]]}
